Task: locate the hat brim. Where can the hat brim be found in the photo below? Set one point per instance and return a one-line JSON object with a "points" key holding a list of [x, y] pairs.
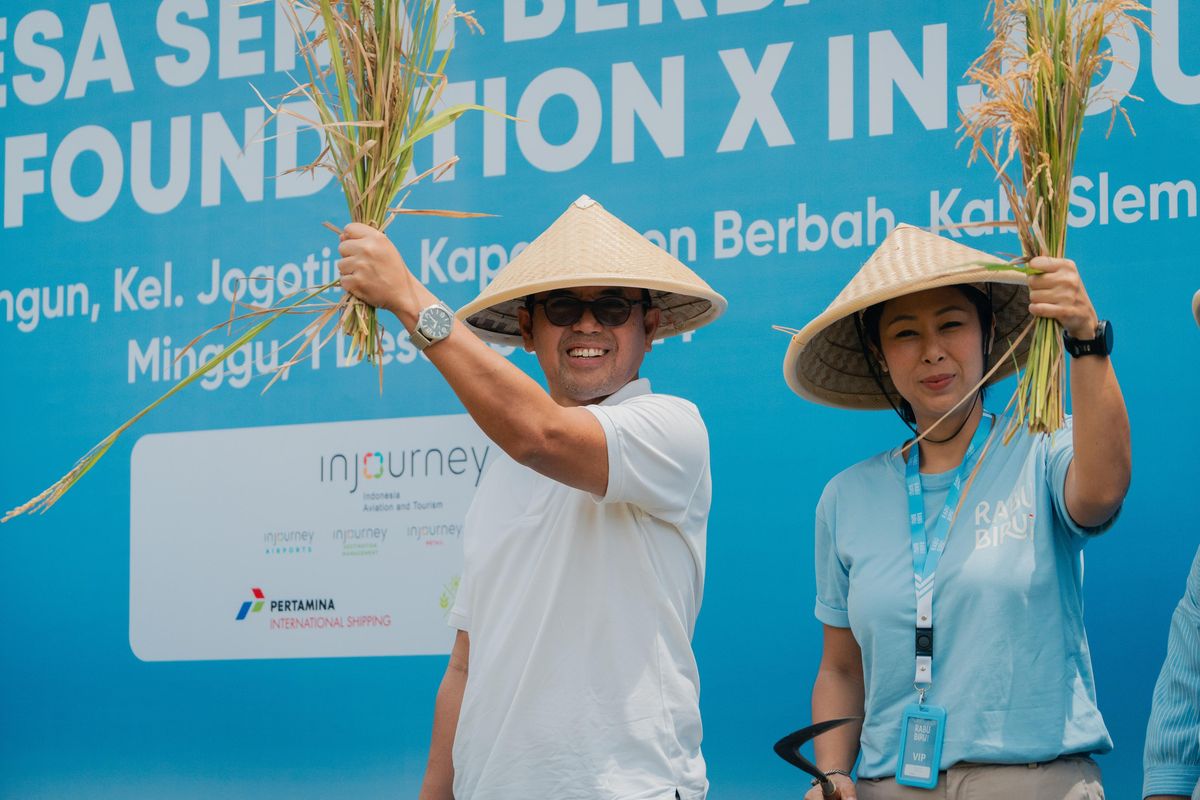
{"points": [[683, 308]]}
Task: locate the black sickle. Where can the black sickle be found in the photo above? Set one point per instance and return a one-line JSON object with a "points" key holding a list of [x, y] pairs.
{"points": [[788, 748]]}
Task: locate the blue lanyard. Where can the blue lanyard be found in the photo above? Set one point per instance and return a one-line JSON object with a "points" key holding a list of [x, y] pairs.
{"points": [[928, 546]]}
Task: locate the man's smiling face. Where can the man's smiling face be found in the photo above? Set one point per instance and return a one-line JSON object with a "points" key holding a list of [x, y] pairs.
{"points": [[586, 361]]}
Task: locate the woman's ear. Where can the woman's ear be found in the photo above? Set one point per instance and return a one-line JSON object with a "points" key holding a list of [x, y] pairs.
{"points": [[875, 353]]}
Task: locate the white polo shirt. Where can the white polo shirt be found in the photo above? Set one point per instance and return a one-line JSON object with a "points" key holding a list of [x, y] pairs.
{"points": [[581, 681]]}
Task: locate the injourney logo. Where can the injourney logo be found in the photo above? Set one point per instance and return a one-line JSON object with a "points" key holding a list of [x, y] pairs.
{"points": [[374, 465]]}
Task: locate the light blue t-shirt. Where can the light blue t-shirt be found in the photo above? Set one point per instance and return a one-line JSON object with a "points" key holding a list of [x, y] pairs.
{"points": [[1011, 663]]}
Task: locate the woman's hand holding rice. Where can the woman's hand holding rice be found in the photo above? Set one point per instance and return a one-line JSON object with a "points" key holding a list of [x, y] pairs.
{"points": [[1057, 292]]}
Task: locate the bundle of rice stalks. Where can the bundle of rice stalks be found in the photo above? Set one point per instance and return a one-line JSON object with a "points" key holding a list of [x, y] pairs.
{"points": [[1037, 76], [374, 101], [377, 97]]}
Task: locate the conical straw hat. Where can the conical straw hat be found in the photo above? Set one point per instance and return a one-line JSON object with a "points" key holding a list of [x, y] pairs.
{"points": [[587, 246], [825, 361], [1196, 307]]}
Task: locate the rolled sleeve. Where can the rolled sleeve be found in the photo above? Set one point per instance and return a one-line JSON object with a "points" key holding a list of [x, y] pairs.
{"points": [[657, 454], [1170, 781], [1172, 756], [833, 578], [460, 613]]}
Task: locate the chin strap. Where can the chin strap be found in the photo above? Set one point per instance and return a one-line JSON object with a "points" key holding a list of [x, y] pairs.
{"points": [[961, 425]]}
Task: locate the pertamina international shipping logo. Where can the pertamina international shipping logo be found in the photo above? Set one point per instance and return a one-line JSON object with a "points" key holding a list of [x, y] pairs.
{"points": [[252, 606], [307, 613]]}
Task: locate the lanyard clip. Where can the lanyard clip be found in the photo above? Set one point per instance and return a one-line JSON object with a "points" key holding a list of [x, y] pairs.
{"points": [[924, 642], [921, 690]]}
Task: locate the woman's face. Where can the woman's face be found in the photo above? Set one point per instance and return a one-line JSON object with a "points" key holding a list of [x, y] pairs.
{"points": [[933, 349]]}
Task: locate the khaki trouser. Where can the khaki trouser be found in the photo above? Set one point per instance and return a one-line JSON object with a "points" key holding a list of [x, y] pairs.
{"points": [[1067, 778]]}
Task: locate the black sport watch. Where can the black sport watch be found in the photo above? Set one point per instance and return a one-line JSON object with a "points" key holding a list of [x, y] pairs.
{"points": [[1100, 345]]}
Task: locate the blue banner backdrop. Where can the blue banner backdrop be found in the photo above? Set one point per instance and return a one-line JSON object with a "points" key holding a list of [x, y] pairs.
{"points": [[769, 143]]}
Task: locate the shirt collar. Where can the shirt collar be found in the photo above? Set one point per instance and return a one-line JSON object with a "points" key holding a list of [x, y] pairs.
{"points": [[632, 389]]}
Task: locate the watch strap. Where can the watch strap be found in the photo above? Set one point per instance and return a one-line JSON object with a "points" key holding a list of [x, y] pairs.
{"points": [[419, 340], [1098, 345]]}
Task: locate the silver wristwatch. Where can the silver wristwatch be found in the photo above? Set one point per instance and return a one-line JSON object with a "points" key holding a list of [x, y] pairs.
{"points": [[433, 324]]}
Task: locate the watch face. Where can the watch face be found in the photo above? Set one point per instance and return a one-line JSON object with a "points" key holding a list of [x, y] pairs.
{"points": [[1106, 333], [435, 323]]}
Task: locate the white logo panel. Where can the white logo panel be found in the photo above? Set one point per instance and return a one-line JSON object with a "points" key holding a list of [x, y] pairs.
{"points": [[300, 541]]}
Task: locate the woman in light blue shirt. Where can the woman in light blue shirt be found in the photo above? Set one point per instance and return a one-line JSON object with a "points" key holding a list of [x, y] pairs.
{"points": [[949, 573]]}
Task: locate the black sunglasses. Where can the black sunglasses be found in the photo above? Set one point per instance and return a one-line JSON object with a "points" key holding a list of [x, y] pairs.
{"points": [[611, 311]]}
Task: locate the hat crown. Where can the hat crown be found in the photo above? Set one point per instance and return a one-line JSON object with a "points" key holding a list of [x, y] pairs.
{"points": [[908, 256], [588, 246]]}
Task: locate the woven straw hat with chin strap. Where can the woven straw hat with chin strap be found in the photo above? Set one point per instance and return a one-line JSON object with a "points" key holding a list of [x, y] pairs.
{"points": [[1196, 307], [825, 361], [588, 246]]}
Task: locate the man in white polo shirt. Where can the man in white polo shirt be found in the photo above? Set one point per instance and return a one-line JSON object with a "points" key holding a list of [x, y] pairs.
{"points": [[572, 675]]}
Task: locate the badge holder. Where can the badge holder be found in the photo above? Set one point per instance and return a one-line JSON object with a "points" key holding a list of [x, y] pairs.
{"points": [[922, 731], [922, 726]]}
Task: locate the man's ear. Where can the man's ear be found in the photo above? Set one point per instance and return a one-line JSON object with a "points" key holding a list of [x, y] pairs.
{"points": [[525, 323], [650, 322]]}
